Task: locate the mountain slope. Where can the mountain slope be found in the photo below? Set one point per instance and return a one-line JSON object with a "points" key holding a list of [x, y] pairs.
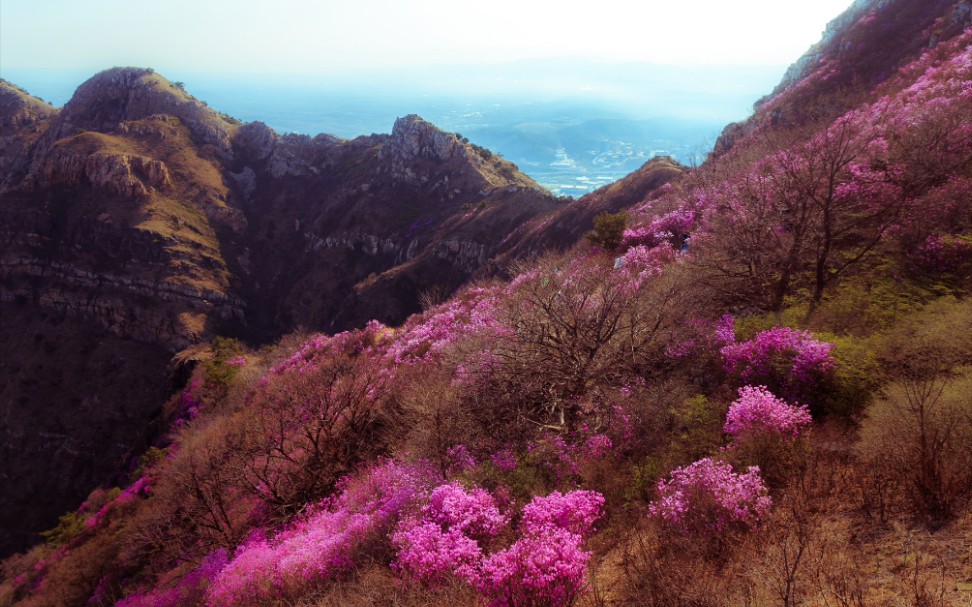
{"points": [[137, 216]]}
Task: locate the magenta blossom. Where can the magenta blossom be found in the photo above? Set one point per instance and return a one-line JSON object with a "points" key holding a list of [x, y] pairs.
{"points": [[758, 410], [708, 497]]}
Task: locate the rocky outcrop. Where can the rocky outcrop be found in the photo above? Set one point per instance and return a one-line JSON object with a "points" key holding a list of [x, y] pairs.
{"points": [[809, 61], [107, 299], [119, 95], [868, 41], [126, 175], [413, 138], [464, 254], [23, 119]]}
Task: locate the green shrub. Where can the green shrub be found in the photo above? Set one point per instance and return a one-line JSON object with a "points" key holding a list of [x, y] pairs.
{"points": [[608, 230]]}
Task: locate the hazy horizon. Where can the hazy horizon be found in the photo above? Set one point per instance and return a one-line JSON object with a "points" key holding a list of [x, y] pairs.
{"points": [[571, 125], [576, 97], [331, 36]]}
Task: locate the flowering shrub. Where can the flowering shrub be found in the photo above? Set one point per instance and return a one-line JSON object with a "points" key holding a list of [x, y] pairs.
{"points": [[943, 253], [545, 569], [424, 337], [758, 410], [504, 459], [430, 554], [671, 229], [789, 361], [641, 263], [576, 512], [445, 539], [473, 512], [563, 458], [323, 545], [708, 497], [189, 590], [460, 459]]}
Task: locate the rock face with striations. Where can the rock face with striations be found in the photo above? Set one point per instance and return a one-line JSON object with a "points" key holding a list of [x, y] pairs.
{"points": [[136, 222]]}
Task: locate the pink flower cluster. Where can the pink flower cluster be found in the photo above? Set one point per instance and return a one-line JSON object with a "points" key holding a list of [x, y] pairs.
{"points": [[757, 410], [190, 405], [670, 228], [546, 565], [324, 544], [940, 253], [708, 496], [142, 487], [548, 569], [504, 459], [471, 313], [788, 359], [321, 347], [460, 459], [563, 458], [188, 590], [642, 263], [445, 540], [575, 511]]}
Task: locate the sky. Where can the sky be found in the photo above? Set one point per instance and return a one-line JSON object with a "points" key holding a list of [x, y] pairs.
{"points": [[331, 36]]}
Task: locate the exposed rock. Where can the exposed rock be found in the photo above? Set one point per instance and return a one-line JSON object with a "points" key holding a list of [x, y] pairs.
{"points": [[109, 99], [123, 174], [413, 138], [466, 255]]}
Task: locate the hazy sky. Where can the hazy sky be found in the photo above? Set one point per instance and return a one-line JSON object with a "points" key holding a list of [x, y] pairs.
{"points": [[307, 36]]}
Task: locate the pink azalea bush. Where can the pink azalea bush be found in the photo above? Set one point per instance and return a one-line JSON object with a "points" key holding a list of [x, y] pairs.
{"points": [[325, 544], [189, 590], [504, 459], [790, 361], [564, 458], [546, 565], [429, 554], [669, 229], [757, 410], [943, 253], [445, 539], [548, 568], [708, 497], [640, 264], [575, 511], [471, 511]]}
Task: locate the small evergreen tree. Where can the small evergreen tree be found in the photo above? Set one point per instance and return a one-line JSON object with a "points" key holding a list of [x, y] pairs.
{"points": [[608, 230]]}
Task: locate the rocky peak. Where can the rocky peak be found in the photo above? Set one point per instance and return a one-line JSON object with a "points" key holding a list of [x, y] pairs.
{"points": [[413, 137], [255, 141], [120, 95], [18, 108]]}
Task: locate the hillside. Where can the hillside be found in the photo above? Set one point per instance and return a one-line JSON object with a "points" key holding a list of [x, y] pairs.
{"points": [[137, 216], [749, 385]]}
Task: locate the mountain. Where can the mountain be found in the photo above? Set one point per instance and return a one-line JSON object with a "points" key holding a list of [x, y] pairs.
{"points": [[137, 222], [754, 389]]}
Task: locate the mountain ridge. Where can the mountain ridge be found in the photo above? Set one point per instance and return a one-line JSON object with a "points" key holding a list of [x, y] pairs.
{"points": [[145, 216]]}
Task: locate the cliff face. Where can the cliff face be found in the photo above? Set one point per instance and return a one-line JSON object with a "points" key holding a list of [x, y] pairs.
{"points": [[136, 220]]}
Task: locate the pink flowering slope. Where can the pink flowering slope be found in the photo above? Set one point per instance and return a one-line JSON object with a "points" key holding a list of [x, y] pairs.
{"points": [[323, 545], [708, 497]]}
